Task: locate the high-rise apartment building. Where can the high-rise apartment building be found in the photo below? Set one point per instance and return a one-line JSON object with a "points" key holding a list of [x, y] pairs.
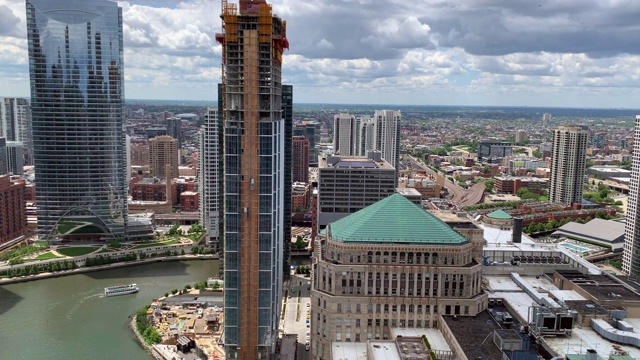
{"points": [[15, 157], [387, 135], [209, 187], [174, 129], [345, 129], [253, 40], [163, 150], [13, 209], [300, 161], [287, 115], [521, 136], [77, 89], [311, 130], [15, 124], [364, 139], [568, 161], [4, 163], [631, 254]]}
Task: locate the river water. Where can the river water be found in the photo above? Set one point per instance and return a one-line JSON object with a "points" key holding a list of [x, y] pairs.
{"points": [[69, 317]]}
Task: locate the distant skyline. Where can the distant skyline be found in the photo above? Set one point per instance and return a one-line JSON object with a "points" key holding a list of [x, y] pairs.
{"points": [[548, 53]]}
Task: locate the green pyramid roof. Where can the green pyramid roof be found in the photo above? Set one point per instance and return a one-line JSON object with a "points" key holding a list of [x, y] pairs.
{"points": [[394, 220], [499, 214]]}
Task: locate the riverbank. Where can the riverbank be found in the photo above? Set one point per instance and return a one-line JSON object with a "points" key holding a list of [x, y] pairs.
{"points": [[82, 270]]}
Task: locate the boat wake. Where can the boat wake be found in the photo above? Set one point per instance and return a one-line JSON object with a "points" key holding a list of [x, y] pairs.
{"points": [[79, 303]]}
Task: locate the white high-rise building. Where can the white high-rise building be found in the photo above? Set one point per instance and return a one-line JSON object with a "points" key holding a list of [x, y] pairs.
{"points": [[387, 135], [15, 124], [209, 156], [344, 134], [568, 160], [631, 254], [365, 140], [15, 158]]}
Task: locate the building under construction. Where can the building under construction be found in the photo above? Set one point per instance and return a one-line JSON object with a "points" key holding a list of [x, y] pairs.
{"points": [[253, 40]]}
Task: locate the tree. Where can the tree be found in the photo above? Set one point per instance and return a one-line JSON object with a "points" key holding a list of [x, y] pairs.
{"points": [[195, 229], [488, 186]]}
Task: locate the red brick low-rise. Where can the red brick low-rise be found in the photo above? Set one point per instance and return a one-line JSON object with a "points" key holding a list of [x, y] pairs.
{"points": [[13, 209]]}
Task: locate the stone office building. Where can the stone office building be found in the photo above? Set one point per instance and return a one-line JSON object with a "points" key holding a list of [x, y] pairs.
{"points": [[389, 265]]}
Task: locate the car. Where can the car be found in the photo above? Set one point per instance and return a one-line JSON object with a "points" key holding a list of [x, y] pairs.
{"points": [[308, 316], [308, 325], [307, 346], [308, 333], [308, 304], [308, 320]]}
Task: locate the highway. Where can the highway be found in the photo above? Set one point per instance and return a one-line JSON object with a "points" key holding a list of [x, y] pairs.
{"points": [[460, 197]]}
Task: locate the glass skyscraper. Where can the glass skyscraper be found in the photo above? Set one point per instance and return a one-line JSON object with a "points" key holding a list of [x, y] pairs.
{"points": [[77, 91], [253, 40]]}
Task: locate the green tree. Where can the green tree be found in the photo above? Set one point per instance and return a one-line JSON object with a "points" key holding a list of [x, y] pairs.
{"points": [[488, 186]]}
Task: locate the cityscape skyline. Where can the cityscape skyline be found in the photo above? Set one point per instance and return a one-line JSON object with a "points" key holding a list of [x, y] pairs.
{"points": [[463, 54]]}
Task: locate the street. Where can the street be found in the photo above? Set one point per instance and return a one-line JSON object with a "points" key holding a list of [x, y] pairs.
{"points": [[296, 312]]}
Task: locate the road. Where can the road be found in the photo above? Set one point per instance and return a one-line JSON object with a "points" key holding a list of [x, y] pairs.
{"points": [[460, 197], [296, 311]]}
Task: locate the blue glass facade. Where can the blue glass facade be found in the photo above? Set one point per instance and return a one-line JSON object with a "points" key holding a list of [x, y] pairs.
{"points": [[76, 70]]}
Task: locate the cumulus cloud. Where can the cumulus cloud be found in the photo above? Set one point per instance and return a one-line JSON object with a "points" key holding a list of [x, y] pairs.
{"points": [[432, 51], [10, 22]]}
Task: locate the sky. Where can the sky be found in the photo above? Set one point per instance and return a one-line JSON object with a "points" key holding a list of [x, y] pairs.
{"points": [[556, 53]]}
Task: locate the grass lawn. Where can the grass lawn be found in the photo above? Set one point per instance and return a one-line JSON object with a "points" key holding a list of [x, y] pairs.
{"points": [[46, 256], [102, 251], [156, 243], [77, 251]]}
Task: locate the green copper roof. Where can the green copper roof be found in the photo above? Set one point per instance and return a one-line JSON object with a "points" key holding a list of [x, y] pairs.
{"points": [[499, 214], [394, 220]]}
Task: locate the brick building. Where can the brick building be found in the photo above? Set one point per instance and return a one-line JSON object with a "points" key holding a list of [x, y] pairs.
{"points": [[300, 160], [189, 201], [511, 185], [300, 195], [13, 209], [152, 189]]}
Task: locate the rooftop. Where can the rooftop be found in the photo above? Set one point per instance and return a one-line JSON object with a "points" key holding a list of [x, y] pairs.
{"points": [[394, 220], [352, 162], [471, 333], [597, 229], [499, 214]]}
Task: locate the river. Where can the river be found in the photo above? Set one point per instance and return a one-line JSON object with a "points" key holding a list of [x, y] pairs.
{"points": [[69, 317]]}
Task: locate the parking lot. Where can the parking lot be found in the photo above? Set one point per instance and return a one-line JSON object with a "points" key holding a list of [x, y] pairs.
{"points": [[298, 306]]}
